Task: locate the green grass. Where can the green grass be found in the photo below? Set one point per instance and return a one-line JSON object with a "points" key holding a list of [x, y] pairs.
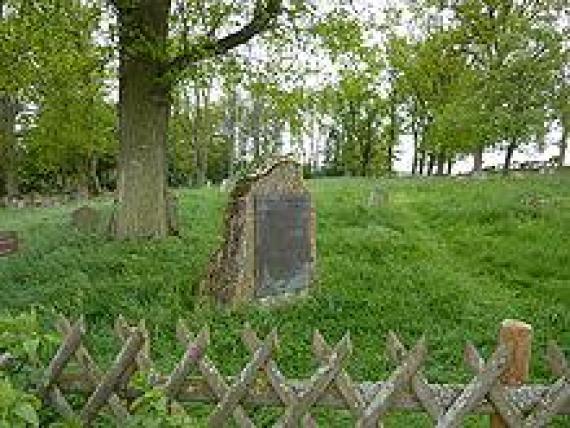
{"points": [[447, 258]]}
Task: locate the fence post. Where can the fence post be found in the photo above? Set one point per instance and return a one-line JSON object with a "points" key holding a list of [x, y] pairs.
{"points": [[517, 337]]}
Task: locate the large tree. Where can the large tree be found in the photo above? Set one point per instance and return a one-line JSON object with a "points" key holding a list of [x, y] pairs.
{"points": [[151, 56]]}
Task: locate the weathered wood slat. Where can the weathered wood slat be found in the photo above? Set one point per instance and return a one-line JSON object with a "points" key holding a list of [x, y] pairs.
{"points": [[557, 396], [318, 384], [232, 397], [112, 377], [343, 381], [419, 383], [92, 372], [194, 351], [59, 403], [276, 378], [476, 390], [383, 398], [63, 355], [123, 330], [214, 379], [497, 394], [557, 361]]}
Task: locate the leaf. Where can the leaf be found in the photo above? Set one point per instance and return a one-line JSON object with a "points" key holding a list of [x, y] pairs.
{"points": [[27, 412]]}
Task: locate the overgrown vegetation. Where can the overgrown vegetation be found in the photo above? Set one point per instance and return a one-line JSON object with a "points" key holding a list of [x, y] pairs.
{"points": [[450, 258]]}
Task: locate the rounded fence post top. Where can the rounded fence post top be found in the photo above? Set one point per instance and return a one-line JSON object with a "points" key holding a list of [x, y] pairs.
{"points": [[516, 324]]}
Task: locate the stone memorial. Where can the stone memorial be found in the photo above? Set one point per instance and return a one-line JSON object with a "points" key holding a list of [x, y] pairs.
{"points": [[269, 242], [86, 219]]}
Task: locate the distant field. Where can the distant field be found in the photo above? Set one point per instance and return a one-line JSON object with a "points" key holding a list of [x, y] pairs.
{"points": [[450, 258]]}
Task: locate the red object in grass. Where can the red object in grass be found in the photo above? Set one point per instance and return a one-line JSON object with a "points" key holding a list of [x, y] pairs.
{"points": [[8, 243]]}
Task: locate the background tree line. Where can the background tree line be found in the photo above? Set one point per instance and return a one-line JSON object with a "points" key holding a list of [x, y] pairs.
{"points": [[207, 88]]}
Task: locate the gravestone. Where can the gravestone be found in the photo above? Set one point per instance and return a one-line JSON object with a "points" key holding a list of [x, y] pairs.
{"points": [[86, 219], [269, 245], [8, 243]]}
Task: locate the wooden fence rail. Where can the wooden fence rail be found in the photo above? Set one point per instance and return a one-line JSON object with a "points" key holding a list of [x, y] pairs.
{"points": [[510, 403]]}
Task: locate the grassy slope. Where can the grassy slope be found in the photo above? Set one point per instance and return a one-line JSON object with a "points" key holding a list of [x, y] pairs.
{"points": [[448, 258]]}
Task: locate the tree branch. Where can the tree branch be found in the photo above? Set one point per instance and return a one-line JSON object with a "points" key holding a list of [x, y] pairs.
{"points": [[262, 18]]}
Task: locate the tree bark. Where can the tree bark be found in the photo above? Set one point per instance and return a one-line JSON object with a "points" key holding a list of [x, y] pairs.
{"points": [[509, 156], [449, 165], [144, 105], [478, 160], [233, 132], [432, 162], [422, 161], [563, 144], [8, 113], [415, 159], [440, 163], [256, 126], [201, 140], [96, 182]]}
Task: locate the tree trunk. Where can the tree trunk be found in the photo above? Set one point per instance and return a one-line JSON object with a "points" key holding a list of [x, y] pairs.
{"points": [[233, 137], [199, 177], [144, 105], [478, 160], [440, 163], [202, 128], [415, 159], [8, 112], [256, 126], [509, 156], [93, 163], [422, 161], [431, 165], [563, 145], [449, 165]]}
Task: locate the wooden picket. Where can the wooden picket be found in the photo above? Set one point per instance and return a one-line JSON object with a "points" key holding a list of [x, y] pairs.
{"points": [[406, 389]]}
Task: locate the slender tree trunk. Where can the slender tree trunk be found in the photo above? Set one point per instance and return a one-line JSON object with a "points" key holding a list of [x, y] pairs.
{"points": [[314, 154], [415, 159], [509, 156], [366, 158], [233, 132], [431, 163], [93, 163], [563, 144], [478, 160], [422, 161], [449, 165], [203, 140], [277, 140], [256, 126], [393, 128], [244, 135], [8, 112], [440, 163], [144, 108]]}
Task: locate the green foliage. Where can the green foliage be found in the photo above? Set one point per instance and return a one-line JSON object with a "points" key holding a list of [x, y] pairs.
{"points": [[154, 410], [18, 409], [23, 337], [66, 124]]}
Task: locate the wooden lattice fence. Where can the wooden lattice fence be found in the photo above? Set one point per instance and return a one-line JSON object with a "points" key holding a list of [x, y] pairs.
{"points": [[406, 389]]}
